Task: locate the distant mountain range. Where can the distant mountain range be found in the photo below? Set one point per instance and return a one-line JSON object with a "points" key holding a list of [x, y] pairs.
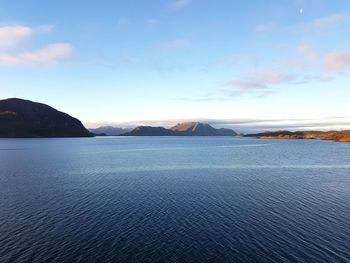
{"points": [[24, 118], [109, 131], [181, 129], [27, 119]]}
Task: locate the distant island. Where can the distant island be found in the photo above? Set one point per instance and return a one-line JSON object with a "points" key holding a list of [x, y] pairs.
{"points": [[338, 136], [181, 129], [109, 131], [27, 119]]}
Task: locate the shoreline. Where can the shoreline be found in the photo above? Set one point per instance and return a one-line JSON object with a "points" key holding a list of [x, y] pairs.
{"points": [[343, 136]]}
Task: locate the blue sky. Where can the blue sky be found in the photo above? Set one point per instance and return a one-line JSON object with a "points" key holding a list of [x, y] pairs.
{"points": [[246, 64]]}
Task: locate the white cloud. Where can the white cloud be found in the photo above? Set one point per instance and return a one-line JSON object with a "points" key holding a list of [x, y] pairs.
{"points": [[177, 43], [10, 36], [179, 4], [50, 54], [336, 62]]}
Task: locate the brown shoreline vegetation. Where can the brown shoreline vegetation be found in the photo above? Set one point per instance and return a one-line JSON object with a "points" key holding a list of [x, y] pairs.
{"points": [[338, 136]]}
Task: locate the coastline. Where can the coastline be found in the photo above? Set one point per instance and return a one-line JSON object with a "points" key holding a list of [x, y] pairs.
{"points": [[343, 136]]}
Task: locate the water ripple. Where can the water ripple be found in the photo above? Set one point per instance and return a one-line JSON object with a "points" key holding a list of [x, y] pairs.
{"points": [[174, 200]]}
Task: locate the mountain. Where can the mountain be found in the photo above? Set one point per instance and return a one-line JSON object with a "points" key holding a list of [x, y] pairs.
{"points": [[24, 118], [181, 129], [108, 131], [149, 131], [200, 129], [339, 136]]}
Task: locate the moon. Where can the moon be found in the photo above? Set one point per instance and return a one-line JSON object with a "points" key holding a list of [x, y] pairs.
{"points": [[301, 10]]}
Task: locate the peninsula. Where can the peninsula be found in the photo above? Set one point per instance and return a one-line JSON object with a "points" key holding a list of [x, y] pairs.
{"points": [[338, 136], [27, 119]]}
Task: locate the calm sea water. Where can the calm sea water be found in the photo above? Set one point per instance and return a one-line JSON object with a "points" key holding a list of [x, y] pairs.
{"points": [[174, 199]]}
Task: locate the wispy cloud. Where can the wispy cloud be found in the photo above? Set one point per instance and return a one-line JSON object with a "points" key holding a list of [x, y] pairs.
{"points": [[50, 54], [336, 62], [259, 82], [308, 65], [10, 36], [320, 25], [307, 51], [177, 43], [240, 87], [305, 65], [327, 22], [179, 4]]}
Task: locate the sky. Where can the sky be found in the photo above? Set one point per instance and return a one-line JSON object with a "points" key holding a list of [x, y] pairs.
{"points": [[251, 65]]}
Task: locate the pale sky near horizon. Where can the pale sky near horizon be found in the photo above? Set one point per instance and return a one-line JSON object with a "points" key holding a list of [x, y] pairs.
{"points": [[241, 64]]}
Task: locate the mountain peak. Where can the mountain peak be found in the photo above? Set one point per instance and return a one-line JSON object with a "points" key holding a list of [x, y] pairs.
{"points": [[181, 129], [200, 129], [185, 126]]}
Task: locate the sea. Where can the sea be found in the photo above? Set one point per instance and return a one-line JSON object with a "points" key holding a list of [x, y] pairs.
{"points": [[174, 199]]}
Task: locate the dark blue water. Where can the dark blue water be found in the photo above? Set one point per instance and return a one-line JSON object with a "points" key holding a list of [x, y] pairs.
{"points": [[174, 200]]}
